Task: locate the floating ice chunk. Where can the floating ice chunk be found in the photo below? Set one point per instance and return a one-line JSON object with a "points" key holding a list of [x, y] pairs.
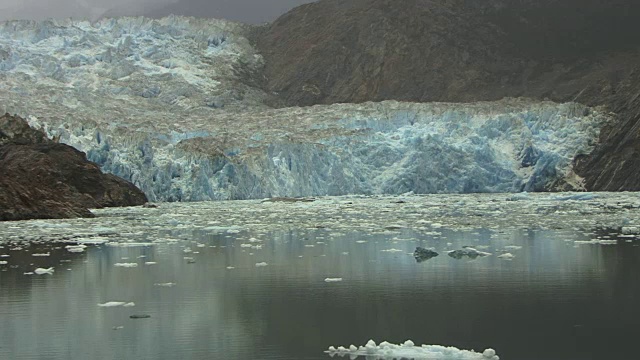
{"points": [[518, 197], [330, 280], [513, 247], [261, 264], [126, 265], [75, 248], [361, 241], [230, 267], [596, 242], [128, 244], [408, 350], [245, 245], [3, 263], [467, 252], [41, 254], [168, 284], [150, 263], [112, 304], [392, 250], [629, 230], [506, 256], [129, 304], [42, 271], [577, 197]]}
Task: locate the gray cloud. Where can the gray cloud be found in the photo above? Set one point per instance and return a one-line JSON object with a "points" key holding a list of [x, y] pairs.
{"points": [[252, 11]]}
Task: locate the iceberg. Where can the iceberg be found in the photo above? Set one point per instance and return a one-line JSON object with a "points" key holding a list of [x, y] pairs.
{"points": [[408, 350], [168, 105]]}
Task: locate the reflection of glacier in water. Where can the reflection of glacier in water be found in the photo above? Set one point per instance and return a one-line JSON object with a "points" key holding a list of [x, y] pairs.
{"points": [[572, 278]]}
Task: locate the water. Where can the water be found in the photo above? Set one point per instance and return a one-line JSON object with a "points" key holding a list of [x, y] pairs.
{"points": [[557, 299]]}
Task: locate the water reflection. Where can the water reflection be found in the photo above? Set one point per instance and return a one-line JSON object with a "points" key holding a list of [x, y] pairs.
{"points": [[552, 301]]}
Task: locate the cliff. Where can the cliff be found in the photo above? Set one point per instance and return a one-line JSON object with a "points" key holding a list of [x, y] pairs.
{"points": [[40, 178]]}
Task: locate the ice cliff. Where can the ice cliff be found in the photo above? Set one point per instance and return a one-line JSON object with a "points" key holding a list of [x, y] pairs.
{"points": [[173, 106]]}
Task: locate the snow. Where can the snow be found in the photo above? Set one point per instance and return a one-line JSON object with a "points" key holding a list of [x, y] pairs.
{"points": [[159, 103], [408, 350]]}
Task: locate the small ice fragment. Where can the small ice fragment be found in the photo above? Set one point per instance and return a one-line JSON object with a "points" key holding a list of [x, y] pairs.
{"points": [[126, 265], [408, 343], [261, 264], [506, 256], [112, 304], [75, 249], [230, 267], [129, 304], [353, 348], [392, 250], [361, 241], [41, 254], [489, 353], [169, 284], [3, 262], [41, 271], [513, 247], [330, 280], [150, 263]]}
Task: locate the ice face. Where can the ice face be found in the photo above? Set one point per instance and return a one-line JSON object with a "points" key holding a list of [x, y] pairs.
{"points": [[165, 104], [384, 148]]}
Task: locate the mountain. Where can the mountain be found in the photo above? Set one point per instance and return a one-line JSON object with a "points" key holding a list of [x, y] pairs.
{"points": [[588, 51]]}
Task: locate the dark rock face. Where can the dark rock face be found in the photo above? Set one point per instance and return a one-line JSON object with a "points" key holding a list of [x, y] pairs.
{"points": [[465, 50], [422, 254], [40, 178]]}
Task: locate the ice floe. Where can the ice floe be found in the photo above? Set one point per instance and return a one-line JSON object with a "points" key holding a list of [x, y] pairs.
{"points": [[408, 350], [126, 265], [43, 271]]}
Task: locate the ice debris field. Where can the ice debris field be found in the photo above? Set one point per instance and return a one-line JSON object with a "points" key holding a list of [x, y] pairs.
{"points": [[165, 104], [392, 226]]}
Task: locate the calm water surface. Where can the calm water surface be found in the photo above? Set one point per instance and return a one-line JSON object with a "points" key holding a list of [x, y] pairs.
{"points": [[554, 300]]}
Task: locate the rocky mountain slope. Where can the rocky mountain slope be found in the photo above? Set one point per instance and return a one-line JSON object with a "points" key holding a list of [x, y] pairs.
{"points": [[40, 178], [463, 50]]}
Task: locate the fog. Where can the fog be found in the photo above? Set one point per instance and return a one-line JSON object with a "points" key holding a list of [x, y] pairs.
{"points": [[251, 11]]}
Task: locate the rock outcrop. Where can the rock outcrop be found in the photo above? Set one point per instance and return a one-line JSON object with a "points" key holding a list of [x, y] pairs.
{"points": [[40, 178], [587, 51]]}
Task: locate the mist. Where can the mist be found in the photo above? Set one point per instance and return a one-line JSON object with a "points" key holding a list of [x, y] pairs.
{"points": [[249, 11]]}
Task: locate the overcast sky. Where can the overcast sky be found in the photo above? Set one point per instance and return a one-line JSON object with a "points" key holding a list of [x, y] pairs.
{"points": [[252, 11]]}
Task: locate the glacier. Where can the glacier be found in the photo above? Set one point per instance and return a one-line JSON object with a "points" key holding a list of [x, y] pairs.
{"points": [[175, 106]]}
